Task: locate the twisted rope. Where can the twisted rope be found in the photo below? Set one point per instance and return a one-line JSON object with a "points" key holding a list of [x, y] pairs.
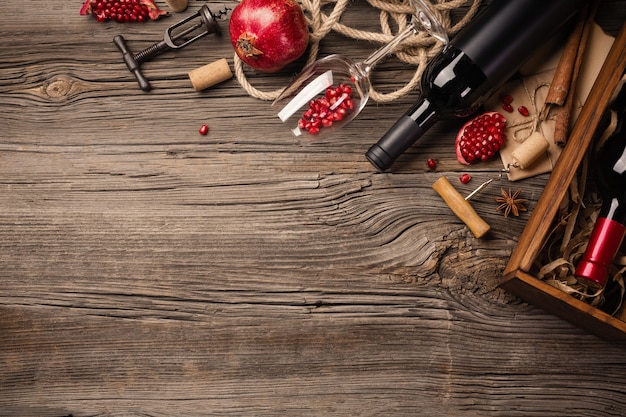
{"points": [[417, 50]]}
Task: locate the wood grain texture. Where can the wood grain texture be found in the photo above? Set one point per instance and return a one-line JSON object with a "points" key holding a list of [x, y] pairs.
{"points": [[146, 270]]}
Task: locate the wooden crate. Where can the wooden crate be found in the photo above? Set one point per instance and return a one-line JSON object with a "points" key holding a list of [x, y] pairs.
{"points": [[518, 278]]}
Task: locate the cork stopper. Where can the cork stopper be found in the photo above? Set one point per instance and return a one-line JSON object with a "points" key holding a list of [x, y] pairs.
{"points": [[177, 5], [530, 151], [210, 74]]}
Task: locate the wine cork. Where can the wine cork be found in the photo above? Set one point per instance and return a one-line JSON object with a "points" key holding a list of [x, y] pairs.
{"points": [[461, 207], [177, 5], [530, 150], [210, 74]]}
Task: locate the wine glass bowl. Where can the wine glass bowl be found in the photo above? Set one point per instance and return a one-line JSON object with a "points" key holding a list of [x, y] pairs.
{"points": [[330, 92], [325, 96]]}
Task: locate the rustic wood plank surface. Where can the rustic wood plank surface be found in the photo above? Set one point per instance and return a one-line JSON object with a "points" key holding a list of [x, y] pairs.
{"points": [[146, 270]]}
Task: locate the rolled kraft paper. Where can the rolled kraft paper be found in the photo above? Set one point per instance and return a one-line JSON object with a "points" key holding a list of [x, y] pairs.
{"points": [[530, 150], [461, 207], [177, 5], [210, 74]]}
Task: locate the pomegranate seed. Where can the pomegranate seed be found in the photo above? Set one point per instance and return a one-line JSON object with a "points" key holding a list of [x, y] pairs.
{"points": [[331, 107], [523, 111], [465, 178], [507, 107], [432, 164], [508, 99], [204, 129]]}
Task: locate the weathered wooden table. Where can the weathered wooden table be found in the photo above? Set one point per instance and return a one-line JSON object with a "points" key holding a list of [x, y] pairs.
{"points": [[149, 270]]}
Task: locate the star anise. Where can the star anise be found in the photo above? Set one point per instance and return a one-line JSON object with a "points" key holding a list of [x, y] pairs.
{"points": [[510, 202]]}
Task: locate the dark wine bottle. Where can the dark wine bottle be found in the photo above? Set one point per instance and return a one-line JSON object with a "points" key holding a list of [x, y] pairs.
{"points": [[481, 57], [610, 228]]}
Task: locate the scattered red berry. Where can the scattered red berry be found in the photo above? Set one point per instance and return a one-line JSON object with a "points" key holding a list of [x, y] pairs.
{"points": [[432, 164], [465, 178], [332, 107], [204, 129], [507, 108], [508, 99], [523, 111], [481, 138]]}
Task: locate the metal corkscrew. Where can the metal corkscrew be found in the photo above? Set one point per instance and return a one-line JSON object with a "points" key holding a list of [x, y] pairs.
{"points": [[460, 205], [485, 184], [174, 38]]}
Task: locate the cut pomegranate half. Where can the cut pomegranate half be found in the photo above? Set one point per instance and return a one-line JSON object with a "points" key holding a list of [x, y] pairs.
{"points": [[481, 138]]}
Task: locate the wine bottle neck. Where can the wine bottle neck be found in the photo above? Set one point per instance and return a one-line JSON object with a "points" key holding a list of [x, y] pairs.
{"points": [[403, 134], [424, 113], [603, 245]]}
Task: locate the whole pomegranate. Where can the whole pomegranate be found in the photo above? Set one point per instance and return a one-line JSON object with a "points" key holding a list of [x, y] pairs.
{"points": [[481, 138], [268, 34]]}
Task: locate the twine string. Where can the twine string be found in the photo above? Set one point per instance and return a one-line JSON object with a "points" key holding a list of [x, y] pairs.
{"points": [[417, 50]]}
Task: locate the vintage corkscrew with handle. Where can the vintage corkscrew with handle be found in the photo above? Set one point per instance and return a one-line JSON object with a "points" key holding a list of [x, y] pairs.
{"points": [[175, 37]]}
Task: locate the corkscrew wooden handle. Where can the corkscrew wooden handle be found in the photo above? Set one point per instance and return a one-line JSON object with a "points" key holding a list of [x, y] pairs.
{"points": [[461, 207]]}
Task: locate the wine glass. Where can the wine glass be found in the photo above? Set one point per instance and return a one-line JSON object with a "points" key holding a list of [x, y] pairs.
{"points": [[330, 92]]}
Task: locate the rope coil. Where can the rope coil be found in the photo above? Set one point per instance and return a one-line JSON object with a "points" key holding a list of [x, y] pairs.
{"points": [[416, 51]]}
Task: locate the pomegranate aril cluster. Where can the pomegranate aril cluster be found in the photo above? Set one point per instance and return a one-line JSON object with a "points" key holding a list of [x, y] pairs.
{"points": [[120, 11], [482, 140], [324, 111]]}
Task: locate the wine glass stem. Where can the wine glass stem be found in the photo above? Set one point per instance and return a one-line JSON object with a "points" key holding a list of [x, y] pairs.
{"points": [[388, 48]]}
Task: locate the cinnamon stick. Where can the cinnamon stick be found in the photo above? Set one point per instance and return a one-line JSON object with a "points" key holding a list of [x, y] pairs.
{"points": [[564, 111], [562, 79], [561, 121]]}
